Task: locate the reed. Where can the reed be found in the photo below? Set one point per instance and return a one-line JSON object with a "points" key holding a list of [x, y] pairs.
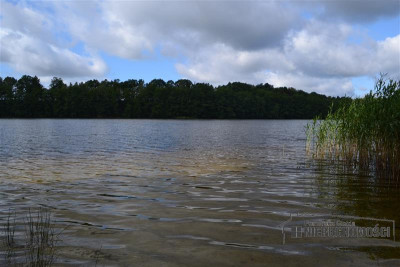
{"points": [[363, 134], [41, 239], [35, 243], [9, 238]]}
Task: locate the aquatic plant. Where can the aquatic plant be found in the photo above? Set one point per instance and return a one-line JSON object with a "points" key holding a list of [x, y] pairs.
{"points": [[41, 238], [9, 237], [363, 133], [36, 246]]}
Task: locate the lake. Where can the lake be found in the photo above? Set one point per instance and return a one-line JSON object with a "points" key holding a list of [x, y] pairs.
{"points": [[187, 192]]}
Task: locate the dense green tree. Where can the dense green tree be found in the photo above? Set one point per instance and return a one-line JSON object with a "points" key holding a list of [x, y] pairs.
{"points": [[29, 97], [26, 97], [7, 88]]}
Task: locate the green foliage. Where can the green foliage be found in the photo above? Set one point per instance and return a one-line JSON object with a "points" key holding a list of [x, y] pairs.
{"points": [[27, 98], [363, 133]]}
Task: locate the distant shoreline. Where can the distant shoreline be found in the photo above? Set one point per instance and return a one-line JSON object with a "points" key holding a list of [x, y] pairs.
{"points": [[134, 99]]}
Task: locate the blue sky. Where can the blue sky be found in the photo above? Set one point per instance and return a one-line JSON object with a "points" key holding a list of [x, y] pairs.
{"points": [[330, 47], [156, 67]]}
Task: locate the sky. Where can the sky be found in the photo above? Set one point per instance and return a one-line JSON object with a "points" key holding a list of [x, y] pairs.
{"points": [[333, 47]]}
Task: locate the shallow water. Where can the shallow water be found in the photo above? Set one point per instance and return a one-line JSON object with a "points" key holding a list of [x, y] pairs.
{"points": [[186, 192]]}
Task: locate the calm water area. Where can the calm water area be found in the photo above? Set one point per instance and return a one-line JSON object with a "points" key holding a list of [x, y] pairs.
{"points": [[188, 193]]}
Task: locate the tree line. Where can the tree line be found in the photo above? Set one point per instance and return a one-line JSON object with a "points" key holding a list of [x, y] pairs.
{"points": [[28, 98]]}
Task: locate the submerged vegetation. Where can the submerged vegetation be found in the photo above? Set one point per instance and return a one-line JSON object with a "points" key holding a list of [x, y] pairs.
{"points": [[27, 98], [29, 240], [363, 133]]}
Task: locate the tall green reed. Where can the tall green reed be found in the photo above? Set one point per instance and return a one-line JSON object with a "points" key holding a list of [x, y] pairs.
{"points": [[363, 133]]}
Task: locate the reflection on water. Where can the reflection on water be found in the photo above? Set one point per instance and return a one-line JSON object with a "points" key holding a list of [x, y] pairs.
{"points": [[186, 192]]}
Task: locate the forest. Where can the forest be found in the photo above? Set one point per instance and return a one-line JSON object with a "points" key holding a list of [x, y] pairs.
{"points": [[182, 99]]}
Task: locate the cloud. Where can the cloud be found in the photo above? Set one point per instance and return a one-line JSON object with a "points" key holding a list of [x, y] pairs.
{"points": [[221, 64], [273, 66], [320, 57], [100, 30], [343, 86], [32, 56], [134, 29], [325, 50], [28, 45], [212, 41], [388, 56], [25, 20], [361, 11], [231, 23]]}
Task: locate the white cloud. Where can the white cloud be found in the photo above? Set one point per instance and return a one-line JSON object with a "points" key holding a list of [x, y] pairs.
{"points": [[33, 56], [90, 22], [343, 86], [21, 18], [220, 64], [28, 45], [271, 66], [388, 56], [323, 50], [319, 58]]}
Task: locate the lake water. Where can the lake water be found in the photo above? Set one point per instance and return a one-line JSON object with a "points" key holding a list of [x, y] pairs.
{"points": [[187, 192]]}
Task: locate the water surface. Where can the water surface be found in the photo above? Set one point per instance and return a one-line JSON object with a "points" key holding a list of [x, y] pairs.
{"points": [[186, 192]]}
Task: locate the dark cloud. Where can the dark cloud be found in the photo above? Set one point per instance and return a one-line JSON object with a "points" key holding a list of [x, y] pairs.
{"points": [[243, 25], [361, 10]]}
